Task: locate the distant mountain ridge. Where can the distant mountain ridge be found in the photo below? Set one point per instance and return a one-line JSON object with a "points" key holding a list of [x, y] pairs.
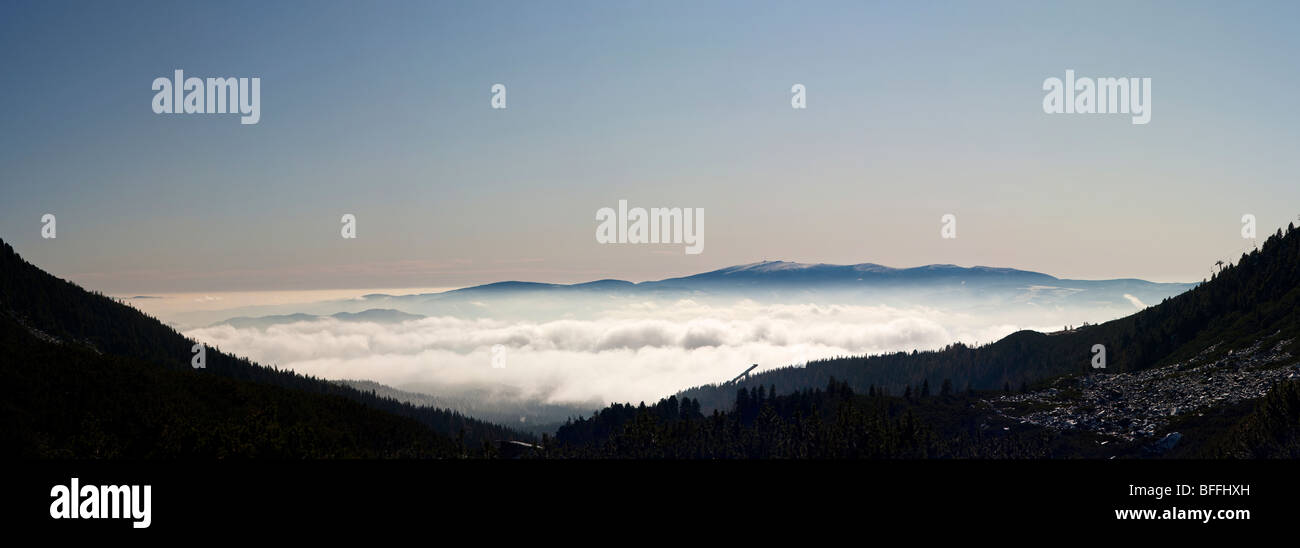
{"points": [[787, 269], [374, 315], [786, 272], [788, 282], [977, 289]]}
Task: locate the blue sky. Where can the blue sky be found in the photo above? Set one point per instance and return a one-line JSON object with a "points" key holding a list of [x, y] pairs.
{"points": [[914, 110]]}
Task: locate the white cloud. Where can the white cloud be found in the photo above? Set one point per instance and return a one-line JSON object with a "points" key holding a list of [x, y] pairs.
{"points": [[634, 353]]}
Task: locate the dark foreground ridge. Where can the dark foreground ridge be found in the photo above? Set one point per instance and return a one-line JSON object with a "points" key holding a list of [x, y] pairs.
{"points": [[86, 376]]}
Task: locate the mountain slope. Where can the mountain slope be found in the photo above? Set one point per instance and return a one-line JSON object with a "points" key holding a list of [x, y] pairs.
{"points": [[64, 400], [1253, 301], [56, 311]]}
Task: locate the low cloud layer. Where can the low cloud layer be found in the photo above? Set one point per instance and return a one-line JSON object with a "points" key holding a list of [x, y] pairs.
{"points": [[635, 353]]}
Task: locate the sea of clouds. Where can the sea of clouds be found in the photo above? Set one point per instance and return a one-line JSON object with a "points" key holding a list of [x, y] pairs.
{"points": [[639, 352]]}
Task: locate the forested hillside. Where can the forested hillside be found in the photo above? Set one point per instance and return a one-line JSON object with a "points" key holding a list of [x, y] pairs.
{"points": [[76, 321], [68, 401], [1270, 430], [834, 422], [1255, 299]]}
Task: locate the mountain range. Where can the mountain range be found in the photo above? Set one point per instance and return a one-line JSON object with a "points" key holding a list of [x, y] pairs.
{"points": [[1211, 371], [978, 289], [777, 277]]}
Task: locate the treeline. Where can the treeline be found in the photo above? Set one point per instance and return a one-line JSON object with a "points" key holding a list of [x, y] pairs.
{"points": [[1270, 431], [1257, 298], [836, 422], [36, 300], [830, 423]]}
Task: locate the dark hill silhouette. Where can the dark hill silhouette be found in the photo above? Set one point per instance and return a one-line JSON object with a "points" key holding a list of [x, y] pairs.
{"points": [[62, 324], [65, 400]]}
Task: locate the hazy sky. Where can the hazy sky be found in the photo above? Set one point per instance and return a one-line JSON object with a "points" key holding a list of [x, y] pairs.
{"points": [[915, 110]]}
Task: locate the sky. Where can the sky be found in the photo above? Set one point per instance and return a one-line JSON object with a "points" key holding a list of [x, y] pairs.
{"points": [[383, 110]]}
